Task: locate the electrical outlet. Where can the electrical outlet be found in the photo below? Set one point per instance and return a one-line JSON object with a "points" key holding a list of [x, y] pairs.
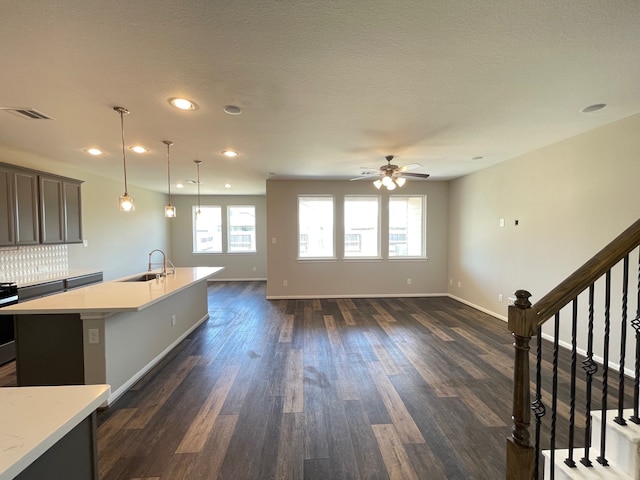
{"points": [[499, 297], [173, 320], [254, 269], [408, 281], [285, 283], [459, 284], [94, 335]]}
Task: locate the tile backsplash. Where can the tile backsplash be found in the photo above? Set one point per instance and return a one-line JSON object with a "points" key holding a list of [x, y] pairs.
{"points": [[21, 263]]}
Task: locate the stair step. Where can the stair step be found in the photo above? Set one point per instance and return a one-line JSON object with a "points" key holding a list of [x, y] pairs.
{"points": [[622, 442], [580, 472]]}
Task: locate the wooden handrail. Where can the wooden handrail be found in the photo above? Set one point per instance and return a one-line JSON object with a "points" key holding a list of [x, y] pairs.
{"points": [[584, 276]]}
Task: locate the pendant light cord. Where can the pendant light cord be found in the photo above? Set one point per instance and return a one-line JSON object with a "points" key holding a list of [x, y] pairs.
{"points": [[122, 111], [168, 143]]}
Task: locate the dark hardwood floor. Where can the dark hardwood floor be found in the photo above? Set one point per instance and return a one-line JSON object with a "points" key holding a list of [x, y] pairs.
{"points": [[399, 388]]}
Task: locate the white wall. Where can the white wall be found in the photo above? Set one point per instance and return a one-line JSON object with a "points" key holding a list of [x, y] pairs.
{"points": [[238, 266], [571, 199], [352, 278], [118, 243]]}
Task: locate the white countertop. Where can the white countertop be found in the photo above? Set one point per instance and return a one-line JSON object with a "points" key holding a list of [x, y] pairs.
{"points": [[35, 418], [116, 295]]}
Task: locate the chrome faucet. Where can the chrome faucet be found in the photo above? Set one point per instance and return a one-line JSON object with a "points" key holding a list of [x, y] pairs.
{"points": [[164, 261]]}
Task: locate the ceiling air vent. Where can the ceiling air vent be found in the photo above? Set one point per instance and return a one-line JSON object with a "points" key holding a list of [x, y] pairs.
{"points": [[28, 113]]}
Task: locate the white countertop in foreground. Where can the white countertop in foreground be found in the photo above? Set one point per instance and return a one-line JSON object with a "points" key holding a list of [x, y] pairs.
{"points": [[116, 295], [35, 418]]}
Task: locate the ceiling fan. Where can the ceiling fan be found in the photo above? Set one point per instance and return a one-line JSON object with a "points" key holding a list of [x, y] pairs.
{"points": [[391, 176]]}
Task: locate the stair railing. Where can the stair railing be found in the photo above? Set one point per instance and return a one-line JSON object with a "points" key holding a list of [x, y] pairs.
{"points": [[525, 321]]}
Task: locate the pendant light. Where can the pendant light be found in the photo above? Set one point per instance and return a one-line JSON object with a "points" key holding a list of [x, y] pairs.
{"points": [[126, 202], [198, 162], [169, 210]]}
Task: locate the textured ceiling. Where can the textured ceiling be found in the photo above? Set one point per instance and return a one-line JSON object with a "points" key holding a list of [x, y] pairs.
{"points": [[325, 87]]}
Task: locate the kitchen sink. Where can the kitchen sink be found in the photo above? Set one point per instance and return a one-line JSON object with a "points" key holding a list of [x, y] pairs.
{"points": [[142, 278]]}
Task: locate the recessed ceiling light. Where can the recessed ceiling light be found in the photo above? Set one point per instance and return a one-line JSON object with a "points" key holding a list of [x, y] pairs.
{"points": [[232, 109], [94, 151], [229, 153], [179, 185], [138, 149], [182, 103], [593, 108], [227, 185]]}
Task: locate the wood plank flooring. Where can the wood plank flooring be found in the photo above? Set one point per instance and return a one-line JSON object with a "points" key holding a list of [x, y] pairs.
{"points": [[319, 389]]}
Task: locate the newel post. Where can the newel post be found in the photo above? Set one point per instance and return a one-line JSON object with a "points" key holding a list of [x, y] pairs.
{"points": [[520, 452]]}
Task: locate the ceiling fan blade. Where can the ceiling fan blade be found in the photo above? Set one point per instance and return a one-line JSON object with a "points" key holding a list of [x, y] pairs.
{"points": [[377, 174], [410, 166], [416, 175]]}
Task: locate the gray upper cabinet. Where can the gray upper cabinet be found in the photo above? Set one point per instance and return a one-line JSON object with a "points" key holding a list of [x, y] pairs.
{"points": [[7, 235], [27, 219], [52, 210], [38, 208], [72, 201]]}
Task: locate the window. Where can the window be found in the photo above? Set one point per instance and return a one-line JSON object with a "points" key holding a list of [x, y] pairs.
{"points": [[407, 226], [361, 226], [242, 229], [207, 235], [315, 226]]}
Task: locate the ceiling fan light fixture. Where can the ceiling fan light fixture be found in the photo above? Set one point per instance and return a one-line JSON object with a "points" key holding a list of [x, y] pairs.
{"points": [[387, 181], [378, 184], [391, 186], [400, 181]]}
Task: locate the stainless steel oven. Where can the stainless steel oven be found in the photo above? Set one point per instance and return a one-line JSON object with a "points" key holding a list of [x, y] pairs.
{"points": [[8, 296]]}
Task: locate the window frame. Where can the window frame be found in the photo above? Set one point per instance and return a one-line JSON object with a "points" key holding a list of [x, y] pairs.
{"points": [[331, 257], [229, 232], [346, 230], [194, 231], [423, 229]]}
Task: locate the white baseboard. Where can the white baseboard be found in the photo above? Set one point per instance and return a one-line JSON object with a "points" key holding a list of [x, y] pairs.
{"points": [[138, 375], [478, 307], [367, 295]]}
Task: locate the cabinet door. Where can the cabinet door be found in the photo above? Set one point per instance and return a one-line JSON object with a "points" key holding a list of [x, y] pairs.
{"points": [[51, 210], [72, 212], [25, 195], [7, 224]]}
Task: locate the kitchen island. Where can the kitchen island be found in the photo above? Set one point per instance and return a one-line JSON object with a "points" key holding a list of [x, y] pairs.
{"points": [[109, 333]]}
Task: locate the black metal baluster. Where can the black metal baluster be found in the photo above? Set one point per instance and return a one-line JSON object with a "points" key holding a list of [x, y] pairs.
{"points": [[635, 418], [572, 404], [554, 394], [591, 368], [537, 406], [623, 341], [602, 460]]}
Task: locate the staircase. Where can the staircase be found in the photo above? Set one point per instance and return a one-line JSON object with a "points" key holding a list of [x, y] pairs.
{"points": [[592, 325], [623, 453]]}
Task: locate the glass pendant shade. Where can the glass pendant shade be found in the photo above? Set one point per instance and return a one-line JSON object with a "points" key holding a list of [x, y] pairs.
{"points": [[400, 181], [386, 181], [378, 184], [126, 202], [169, 211], [391, 186]]}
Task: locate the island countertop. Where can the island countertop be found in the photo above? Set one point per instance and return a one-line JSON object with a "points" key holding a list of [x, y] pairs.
{"points": [[35, 418], [116, 295]]}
